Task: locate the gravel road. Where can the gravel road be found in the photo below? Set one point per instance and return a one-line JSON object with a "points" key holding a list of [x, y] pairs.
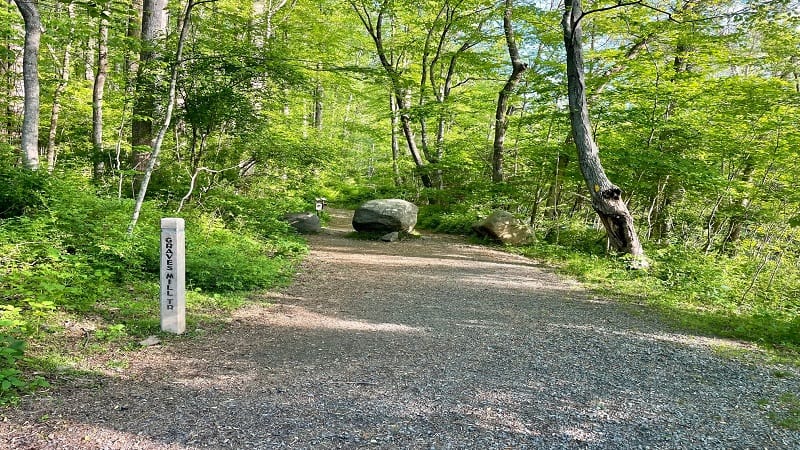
{"points": [[427, 343]]}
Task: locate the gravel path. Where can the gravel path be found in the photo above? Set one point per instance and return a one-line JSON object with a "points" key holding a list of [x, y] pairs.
{"points": [[429, 343]]}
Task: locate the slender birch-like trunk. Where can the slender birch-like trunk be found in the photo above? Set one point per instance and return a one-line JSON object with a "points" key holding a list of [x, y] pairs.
{"points": [[63, 79]]}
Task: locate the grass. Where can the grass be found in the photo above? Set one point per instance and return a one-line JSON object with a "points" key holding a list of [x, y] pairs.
{"points": [[783, 411], [694, 292]]}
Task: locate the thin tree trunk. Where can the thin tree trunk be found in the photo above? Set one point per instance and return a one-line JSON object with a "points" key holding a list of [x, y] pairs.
{"points": [[98, 156], [374, 27], [500, 117], [395, 142], [554, 193], [606, 197], [59, 91], [319, 94], [30, 74], [159, 139]]}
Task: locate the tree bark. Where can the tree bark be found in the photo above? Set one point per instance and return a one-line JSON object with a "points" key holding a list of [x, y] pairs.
{"points": [[319, 95], [133, 32], [30, 73], [518, 68], [606, 197], [144, 109], [395, 142], [98, 156]]}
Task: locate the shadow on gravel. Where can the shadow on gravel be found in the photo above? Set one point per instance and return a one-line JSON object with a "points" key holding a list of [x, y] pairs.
{"points": [[386, 348]]}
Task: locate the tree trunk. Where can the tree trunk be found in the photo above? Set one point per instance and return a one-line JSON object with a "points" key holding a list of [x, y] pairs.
{"points": [[98, 156], [60, 87], [395, 142], [408, 132], [133, 33], [738, 220], [144, 109], [374, 27], [155, 145], [319, 94], [30, 73], [606, 197], [554, 193], [500, 117]]}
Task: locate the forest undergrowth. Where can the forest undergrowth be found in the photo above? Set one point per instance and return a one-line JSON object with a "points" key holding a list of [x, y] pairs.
{"points": [[74, 284]]}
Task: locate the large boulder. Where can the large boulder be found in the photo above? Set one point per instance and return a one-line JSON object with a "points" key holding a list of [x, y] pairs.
{"points": [[386, 216], [304, 222], [504, 227]]}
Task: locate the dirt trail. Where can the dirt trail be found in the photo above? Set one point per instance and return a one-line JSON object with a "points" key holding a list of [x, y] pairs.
{"points": [[426, 343]]}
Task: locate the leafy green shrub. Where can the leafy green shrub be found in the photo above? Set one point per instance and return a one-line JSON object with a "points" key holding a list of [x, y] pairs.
{"points": [[21, 191], [12, 380], [258, 217], [221, 260], [438, 219]]}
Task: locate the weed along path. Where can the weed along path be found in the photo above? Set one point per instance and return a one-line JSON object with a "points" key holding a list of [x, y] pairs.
{"points": [[426, 343]]}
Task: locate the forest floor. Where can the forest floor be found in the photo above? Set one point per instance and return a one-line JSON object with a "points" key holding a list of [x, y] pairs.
{"points": [[423, 343]]}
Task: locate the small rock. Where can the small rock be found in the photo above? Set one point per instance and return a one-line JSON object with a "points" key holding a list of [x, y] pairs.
{"points": [[306, 223], [504, 227], [394, 236], [150, 341]]}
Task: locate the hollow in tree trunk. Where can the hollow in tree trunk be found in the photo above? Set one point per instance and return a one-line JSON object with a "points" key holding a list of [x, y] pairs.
{"points": [[606, 197]]}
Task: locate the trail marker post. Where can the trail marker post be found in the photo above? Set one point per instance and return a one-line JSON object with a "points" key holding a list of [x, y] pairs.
{"points": [[321, 203], [173, 276]]}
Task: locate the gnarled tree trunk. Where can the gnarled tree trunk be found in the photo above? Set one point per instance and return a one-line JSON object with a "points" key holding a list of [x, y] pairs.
{"points": [[606, 197]]}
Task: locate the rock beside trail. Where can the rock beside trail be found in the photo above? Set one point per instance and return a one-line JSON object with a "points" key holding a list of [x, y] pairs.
{"points": [[504, 227], [304, 222], [386, 216], [394, 236]]}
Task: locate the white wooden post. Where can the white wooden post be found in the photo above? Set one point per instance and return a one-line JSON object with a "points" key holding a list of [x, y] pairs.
{"points": [[173, 276]]}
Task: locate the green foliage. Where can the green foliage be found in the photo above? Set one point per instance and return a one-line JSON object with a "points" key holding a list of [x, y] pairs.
{"points": [[20, 191], [223, 260], [67, 258], [454, 222], [12, 381], [696, 119]]}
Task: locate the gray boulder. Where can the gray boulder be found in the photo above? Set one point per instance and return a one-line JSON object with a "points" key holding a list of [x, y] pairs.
{"points": [[306, 223], [386, 216], [504, 227]]}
